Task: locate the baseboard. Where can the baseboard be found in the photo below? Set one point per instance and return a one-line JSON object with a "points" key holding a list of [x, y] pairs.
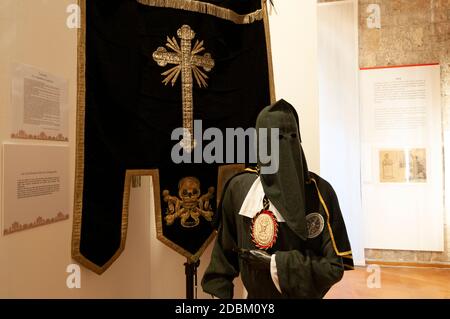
{"points": [[407, 264]]}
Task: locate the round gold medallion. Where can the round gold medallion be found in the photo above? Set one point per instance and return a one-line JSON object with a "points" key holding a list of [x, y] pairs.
{"points": [[264, 229]]}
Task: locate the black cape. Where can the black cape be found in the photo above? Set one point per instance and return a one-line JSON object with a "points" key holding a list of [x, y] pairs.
{"points": [[306, 268], [126, 114]]}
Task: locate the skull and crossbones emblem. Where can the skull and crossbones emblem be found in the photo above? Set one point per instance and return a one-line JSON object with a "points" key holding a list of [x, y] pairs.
{"points": [[190, 204]]}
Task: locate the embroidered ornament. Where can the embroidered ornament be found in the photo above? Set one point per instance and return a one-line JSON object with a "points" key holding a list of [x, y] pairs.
{"points": [[188, 63], [315, 224], [264, 229]]}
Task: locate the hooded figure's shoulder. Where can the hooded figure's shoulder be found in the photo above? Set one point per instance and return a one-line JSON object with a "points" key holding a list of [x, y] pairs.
{"points": [[233, 195], [326, 190], [330, 203], [321, 182], [241, 182]]}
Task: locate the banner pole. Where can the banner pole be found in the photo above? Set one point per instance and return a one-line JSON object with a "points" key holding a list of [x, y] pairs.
{"points": [[190, 270]]}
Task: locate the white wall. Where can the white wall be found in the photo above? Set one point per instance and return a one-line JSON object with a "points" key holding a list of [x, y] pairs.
{"points": [[294, 49], [33, 263], [339, 112]]}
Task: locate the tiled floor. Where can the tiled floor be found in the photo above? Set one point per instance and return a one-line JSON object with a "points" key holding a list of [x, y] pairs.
{"points": [[396, 282]]}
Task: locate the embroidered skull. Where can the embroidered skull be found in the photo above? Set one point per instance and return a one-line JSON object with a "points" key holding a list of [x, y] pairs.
{"points": [[190, 205]]}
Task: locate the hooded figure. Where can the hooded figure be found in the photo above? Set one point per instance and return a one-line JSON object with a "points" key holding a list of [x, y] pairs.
{"points": [[282, 230]]}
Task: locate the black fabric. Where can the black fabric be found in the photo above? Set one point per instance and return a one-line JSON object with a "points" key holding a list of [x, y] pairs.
{"points": [[337, 222], [306, 268], [286, 187], [255, 258], [130, 114]]}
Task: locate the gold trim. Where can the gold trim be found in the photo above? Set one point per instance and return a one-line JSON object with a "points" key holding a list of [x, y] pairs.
{"points": [[273, 97], [206, 8], [251, 170], [79, 144], [342, 254]]}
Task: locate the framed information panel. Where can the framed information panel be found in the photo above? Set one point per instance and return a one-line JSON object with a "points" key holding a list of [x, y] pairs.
{"points": [[402, 160]]}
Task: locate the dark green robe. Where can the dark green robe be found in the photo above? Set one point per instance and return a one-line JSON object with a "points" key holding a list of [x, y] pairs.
{"points": [[306, 269]]}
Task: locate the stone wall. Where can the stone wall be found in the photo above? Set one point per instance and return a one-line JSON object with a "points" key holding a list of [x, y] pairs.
{"points": [[412, 32]]}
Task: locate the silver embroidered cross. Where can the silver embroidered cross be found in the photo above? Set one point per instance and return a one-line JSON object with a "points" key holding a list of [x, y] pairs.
{"points": [[188, 63]]}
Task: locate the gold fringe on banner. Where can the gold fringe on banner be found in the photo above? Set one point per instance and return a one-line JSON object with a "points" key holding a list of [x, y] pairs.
{"points": [[206, 8]]}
